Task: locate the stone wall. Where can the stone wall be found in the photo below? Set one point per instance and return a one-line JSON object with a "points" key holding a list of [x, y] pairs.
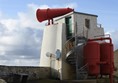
{"points": [[32, 72]]}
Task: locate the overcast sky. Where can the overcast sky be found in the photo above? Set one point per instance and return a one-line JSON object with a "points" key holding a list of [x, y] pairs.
{"points": [[21, 34]]}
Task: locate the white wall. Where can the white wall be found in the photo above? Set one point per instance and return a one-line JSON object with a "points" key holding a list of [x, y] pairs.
{"points": [[48, 44]]}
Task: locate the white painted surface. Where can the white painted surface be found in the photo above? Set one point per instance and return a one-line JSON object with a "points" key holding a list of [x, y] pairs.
{"points": [[48, 44], [52, 40]]}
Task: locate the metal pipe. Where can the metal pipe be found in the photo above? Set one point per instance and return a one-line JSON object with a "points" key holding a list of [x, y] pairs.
{"points": [[97, 39], [103, 62]]}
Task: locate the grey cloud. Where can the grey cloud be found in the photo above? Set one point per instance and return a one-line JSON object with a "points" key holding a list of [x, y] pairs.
{"points": [[2, 29], [21, 38], [25, 47]]}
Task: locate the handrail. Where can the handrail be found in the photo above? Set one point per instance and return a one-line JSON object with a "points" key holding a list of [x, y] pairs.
{"points": [[83, 70], [83, 66], [72, 43], [69, 41]]}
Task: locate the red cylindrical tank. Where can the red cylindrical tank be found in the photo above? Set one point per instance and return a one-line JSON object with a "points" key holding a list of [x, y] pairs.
{"points": [[106, 55], [92, 57]]}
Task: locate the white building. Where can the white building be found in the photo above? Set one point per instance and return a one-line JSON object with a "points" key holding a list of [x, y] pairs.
{"points": [[60, 38]]}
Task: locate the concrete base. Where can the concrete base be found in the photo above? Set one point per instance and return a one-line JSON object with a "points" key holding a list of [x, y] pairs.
{"points": [[62, 81], [104, 80], [83, 81]]}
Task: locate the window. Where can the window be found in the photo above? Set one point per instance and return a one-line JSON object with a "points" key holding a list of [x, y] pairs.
{"points": [[87, 23]]}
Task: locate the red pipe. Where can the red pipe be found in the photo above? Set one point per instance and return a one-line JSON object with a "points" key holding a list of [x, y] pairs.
{"points": [[102, 62], [97, 39]]}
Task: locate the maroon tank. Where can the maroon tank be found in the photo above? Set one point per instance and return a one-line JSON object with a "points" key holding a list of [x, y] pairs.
{"points": [[92, 58]]}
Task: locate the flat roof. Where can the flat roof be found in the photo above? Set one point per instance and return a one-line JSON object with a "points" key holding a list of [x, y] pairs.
{"points": [[85, 14], [74, 12]]}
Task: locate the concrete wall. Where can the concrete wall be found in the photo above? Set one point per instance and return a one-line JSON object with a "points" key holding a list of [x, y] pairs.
{"points": [[82, 30], [32, 72], [80, 19]]}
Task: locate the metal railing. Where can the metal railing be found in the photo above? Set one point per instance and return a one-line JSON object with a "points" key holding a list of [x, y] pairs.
{"points": [[82, 72], [70, 44], [99, 25]]}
